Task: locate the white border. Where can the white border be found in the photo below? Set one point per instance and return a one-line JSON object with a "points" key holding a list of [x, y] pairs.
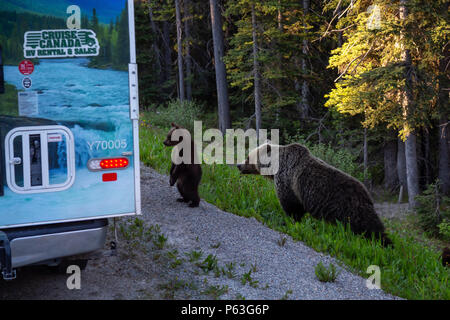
{"points": [[137, 163]]}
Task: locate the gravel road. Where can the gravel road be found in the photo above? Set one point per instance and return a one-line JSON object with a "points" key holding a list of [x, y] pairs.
{"points": [[166, 257]]}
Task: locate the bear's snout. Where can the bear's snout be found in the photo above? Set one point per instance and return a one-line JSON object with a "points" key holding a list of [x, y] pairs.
{"points": [[247, 169]]}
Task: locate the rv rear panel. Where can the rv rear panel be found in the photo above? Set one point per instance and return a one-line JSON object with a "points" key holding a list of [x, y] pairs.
{"points": [[69, 146]]}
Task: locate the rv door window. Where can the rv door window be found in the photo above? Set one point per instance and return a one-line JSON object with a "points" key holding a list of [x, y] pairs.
{"points": [[58, 162], [18, 165], [39, 159]]}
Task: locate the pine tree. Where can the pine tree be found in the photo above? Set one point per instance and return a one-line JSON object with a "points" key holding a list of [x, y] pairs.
{"points": [[388, 70]]}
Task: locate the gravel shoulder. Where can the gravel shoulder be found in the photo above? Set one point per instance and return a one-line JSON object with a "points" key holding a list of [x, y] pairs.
{"points": [[247, 260]]}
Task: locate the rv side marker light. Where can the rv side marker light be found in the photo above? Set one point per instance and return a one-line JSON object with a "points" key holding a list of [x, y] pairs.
{"points": [[106, 177], [107, 164]]}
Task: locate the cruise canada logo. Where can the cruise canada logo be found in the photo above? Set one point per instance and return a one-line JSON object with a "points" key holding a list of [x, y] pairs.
{"points": [[60, 44]]}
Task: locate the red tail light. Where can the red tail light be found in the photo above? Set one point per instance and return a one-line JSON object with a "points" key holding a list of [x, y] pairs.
{"points": [[108, 164], [114, 163]]}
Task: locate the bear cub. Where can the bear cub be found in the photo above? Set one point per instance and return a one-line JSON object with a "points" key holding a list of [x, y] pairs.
{"points": [[187, 176]]}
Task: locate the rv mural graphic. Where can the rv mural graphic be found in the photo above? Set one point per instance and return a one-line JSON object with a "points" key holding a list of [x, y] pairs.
{"points": [[80, 83], [60, 44]]}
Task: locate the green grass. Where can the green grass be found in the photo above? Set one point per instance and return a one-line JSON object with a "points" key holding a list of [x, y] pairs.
{"points": [[326, 274], [410, 270]]}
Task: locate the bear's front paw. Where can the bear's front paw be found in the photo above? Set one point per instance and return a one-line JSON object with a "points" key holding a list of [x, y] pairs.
{"points": [[172, 181]]}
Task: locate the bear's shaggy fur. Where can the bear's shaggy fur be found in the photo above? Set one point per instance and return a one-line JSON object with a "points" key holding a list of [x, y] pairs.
{"points": [[446, 257], [307, 184], [187, 176]]}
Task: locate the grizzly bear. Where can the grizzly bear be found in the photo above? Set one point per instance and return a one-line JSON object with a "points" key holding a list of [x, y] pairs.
{"points": [[187, 174], [305, 183]]}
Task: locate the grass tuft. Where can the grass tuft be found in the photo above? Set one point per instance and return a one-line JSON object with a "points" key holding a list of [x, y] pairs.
{"points": [[325, 274]]}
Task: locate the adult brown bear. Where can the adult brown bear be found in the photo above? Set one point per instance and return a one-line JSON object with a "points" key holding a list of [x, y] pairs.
{"points": [[305, 183]]}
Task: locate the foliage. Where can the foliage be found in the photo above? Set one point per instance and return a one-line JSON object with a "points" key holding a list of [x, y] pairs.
{"points": [[444, 229], [434, 211], [156, 52], [342, 159], [280, 28], [371, 63], [182, 113], [353, 66]]}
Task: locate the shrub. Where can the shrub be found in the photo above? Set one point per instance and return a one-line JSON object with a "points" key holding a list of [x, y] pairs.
{"points": [[341, 159], [182, 113], [444, 229], [434, 211]]}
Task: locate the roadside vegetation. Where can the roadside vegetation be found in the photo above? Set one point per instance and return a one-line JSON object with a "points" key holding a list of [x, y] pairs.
{"points": [[412, 269]]}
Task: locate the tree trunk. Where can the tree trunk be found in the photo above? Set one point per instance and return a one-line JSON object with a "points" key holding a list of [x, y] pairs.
{"points": [[391, 180], [180, 52], [401, 168], [187, 36], [412, 171], [155, 46], [427, 156], [221, 77], [256, 74], [401, 163], [280, 60], [167, 51], [444, 159], [304, 105], [366, 157]]}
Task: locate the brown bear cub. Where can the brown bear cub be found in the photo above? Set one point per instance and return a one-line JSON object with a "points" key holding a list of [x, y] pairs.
{"points": [[187, 175], [305, 183]]}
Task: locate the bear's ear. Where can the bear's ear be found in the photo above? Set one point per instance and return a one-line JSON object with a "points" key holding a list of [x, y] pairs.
{"points": [[269, 149], [173, 124]]}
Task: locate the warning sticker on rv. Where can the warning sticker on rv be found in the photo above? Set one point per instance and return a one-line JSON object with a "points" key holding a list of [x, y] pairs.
{"points": [[28, 103], [26, 67], [60, 44]]}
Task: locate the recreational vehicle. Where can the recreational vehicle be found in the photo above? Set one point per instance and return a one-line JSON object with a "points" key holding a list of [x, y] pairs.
{"points": [[69, 148]]}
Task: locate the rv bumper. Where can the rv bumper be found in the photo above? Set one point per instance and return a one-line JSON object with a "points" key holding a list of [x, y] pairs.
{"points": [[43, 243]]}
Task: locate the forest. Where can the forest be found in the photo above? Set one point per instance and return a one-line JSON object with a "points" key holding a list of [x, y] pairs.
{"points": [[367, 77], [364, 84]]}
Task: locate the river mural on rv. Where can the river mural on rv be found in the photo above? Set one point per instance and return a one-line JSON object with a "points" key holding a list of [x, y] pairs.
{"points": [[87, 93]]}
